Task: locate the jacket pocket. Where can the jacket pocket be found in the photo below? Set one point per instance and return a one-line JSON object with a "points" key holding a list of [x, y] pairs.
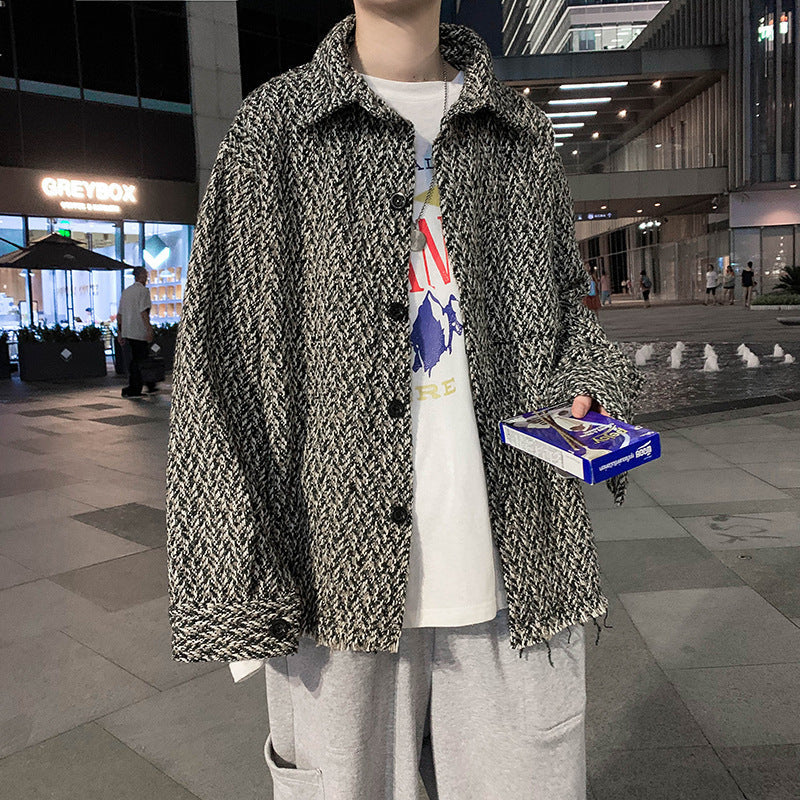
{"points": [[290, 783]]}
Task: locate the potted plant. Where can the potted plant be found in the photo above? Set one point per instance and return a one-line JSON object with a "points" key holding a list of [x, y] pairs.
{"points": [[58, 353], [5, 361], [785, 295]]}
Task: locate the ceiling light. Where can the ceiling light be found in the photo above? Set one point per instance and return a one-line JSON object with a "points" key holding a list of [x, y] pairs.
{"points": [[560, 114], [657, 84], [638, 210], [574, 152], [596, 135], [603, 85], [559, 144], [603, 208], [564, 135], [656, 204], [526, 90], [623, 112], [658, 144], [792, 185], [574, 100], [569, 124]]}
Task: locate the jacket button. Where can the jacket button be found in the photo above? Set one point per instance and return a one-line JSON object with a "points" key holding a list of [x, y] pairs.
{"points": [[397, 201], [399, 515], [398, 311], [397, 408], [279, 628]]}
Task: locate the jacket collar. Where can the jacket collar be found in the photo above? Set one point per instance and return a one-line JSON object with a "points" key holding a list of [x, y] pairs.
{"points": [[334, 83]]}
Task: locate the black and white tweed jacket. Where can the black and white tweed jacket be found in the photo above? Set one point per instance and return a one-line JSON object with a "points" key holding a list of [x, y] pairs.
{"points": [[288, 482]]}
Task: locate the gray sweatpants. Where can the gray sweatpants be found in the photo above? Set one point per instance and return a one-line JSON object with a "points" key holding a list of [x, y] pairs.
{"points": [[347, 725]]}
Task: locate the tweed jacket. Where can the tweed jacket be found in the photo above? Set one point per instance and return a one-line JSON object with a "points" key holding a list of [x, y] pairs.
{"points": [[289, 483]]}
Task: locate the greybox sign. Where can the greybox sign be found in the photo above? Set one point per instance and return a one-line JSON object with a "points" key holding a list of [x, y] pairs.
{"points": [[90, 194]]}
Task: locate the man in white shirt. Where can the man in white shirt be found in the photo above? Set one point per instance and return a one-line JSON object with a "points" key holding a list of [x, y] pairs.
{"points": [[712, 280], [134, 329]]}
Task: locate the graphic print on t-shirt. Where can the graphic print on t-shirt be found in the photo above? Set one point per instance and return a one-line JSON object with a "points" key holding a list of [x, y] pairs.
{"points": [[454, 571], [438, 316]]}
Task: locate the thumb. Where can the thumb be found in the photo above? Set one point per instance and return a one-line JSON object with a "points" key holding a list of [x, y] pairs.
{"points": [[580, 405]]}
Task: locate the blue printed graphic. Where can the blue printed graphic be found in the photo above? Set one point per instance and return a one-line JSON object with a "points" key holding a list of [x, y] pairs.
{"points": [[433, 331]]}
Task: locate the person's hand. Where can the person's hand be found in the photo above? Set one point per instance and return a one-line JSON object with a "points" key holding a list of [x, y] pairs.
{"points": [[584, 403]]}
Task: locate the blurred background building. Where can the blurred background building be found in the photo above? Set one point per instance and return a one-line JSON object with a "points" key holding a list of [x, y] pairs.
{"points": [[677, 122], [565, 26]]}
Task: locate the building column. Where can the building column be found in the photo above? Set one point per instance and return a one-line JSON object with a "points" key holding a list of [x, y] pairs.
{"points": [[216, 78]]}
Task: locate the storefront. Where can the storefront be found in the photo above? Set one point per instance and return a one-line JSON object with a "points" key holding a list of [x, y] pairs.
{"points": [[140, 222], [765, 229]]}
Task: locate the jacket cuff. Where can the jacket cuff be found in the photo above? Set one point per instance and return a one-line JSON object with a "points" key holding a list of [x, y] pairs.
{"points": [[233, 631]]}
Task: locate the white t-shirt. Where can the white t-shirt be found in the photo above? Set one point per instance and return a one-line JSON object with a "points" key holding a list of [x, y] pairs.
{"points": [[454, 575], [133, 300], [711, 279]]}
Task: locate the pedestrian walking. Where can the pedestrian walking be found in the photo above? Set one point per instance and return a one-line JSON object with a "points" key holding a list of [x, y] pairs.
{"points": [[645, 284], [712, 278], [341, 513], [592, 299], [728, 285], [605, 288], [748, 282], [134, 331]]}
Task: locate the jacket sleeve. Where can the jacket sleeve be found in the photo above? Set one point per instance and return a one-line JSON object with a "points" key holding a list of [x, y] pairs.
{"points": [[230, 595], [588, 362]]}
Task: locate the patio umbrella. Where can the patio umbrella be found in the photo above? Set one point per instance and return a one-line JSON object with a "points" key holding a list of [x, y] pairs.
{"points": [[58, 252]]}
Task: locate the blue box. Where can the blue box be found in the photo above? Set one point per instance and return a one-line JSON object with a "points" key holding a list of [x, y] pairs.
{"points": [[594, 448]]}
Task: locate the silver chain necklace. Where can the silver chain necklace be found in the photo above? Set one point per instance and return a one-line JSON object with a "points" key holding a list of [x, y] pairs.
{"points": [[417, 236]]}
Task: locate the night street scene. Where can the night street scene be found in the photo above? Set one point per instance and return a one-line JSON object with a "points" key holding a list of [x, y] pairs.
{"points": [[400, 400]]}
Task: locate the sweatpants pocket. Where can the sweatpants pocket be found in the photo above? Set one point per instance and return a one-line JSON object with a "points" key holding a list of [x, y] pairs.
{"points": [[290, 783]]}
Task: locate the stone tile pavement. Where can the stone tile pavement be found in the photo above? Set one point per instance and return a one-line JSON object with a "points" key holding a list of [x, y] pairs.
{"points": [[694, 687]]}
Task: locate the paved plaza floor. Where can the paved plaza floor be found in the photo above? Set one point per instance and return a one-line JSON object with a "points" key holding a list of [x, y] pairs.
{"points": [[694, 688]]}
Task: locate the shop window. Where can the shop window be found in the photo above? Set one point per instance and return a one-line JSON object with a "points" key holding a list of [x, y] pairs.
{"points": [[131, 243], [777, 252], [166, 255], [746, 246], [13, 285]]}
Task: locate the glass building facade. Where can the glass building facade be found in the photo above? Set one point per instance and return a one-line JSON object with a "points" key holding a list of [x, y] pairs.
{"points": [[96, 86], [774, 70], [77, 297], [92, 89]]}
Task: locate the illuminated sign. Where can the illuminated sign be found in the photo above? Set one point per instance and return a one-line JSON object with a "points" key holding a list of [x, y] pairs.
{"points": [[80, 195], [765, 31], [584, 217]]}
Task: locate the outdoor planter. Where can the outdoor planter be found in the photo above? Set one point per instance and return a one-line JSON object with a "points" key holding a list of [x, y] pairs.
{"points": [[163, 345], [5, 362], [166, 344], [47, 361]]}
